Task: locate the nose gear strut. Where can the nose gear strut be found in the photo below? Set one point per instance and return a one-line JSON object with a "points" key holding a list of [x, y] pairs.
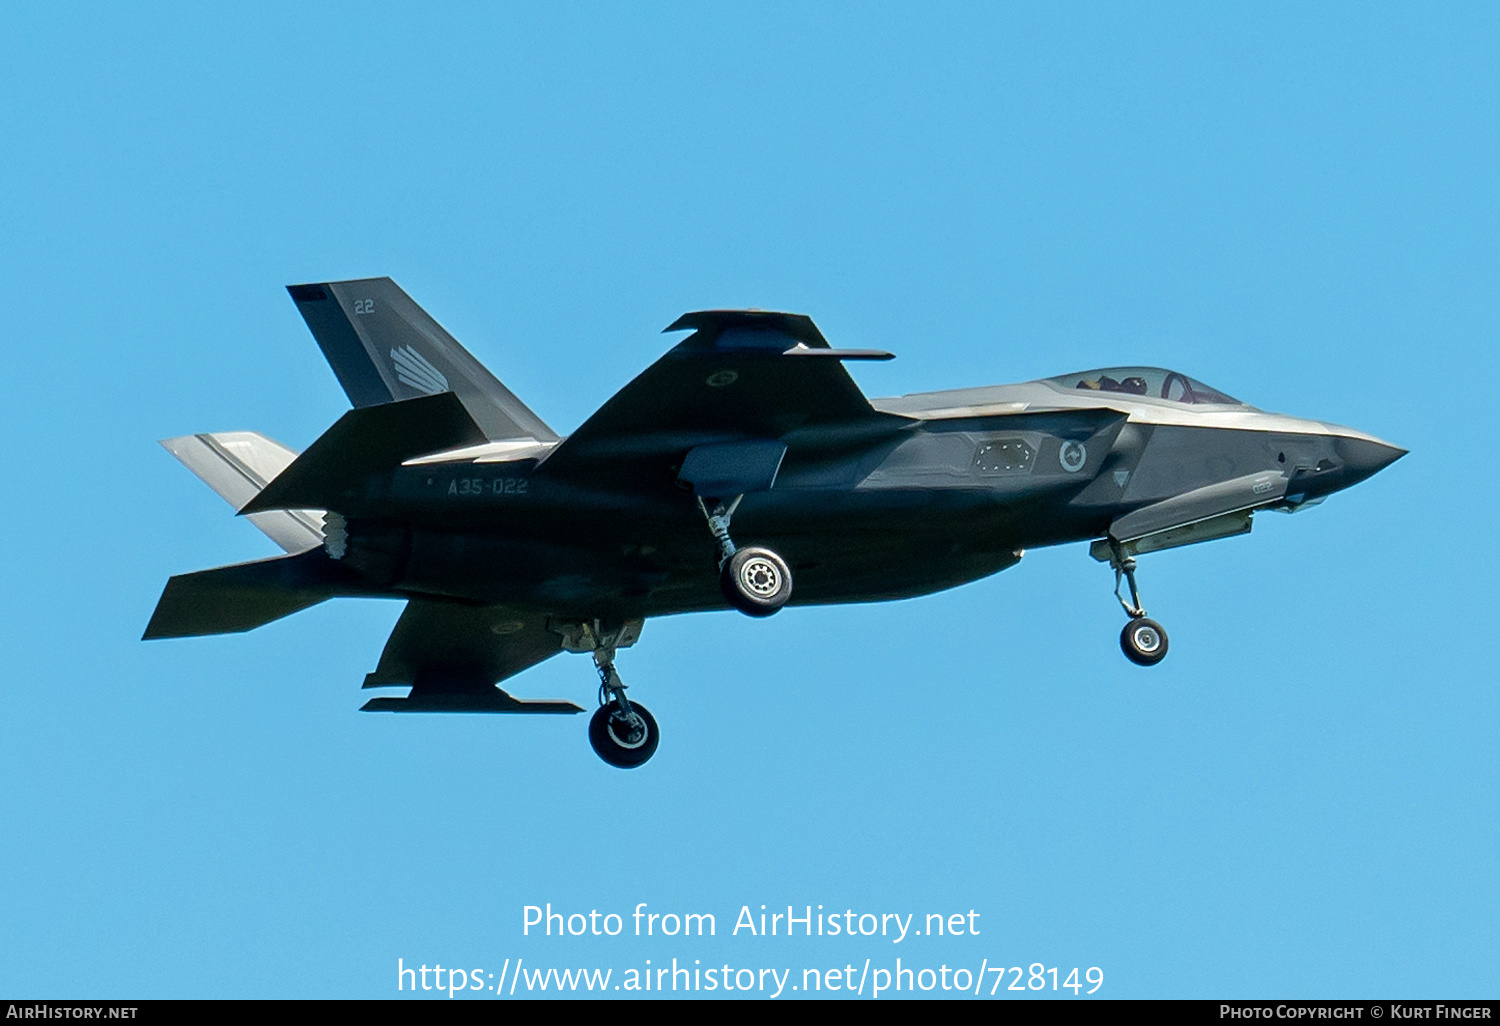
{"points": [[755, 580], [1143, 640]]}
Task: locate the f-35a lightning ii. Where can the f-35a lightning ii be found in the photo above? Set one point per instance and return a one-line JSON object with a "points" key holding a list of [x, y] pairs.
{"points": [[511, 544]]}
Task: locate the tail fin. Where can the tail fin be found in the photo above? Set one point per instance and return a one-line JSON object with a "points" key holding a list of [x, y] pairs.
{"points": [[241, 597], [237, 465], [383, 347]]}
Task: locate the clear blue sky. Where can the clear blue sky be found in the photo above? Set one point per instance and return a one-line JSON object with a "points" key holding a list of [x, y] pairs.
{"points": [[1294, 203]]}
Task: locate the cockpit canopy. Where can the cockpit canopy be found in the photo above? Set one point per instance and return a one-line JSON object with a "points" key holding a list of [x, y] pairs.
{"points": [[1151, 382]]}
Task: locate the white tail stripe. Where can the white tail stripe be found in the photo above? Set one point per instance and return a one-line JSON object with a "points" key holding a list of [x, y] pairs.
{"points": [[414, 371]]}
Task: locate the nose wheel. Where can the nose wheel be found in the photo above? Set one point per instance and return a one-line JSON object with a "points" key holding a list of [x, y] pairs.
{"points": [[755, 580], [1144, 641]]}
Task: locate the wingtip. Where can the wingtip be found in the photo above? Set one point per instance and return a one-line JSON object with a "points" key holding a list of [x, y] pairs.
{"points": [[799, 327]]}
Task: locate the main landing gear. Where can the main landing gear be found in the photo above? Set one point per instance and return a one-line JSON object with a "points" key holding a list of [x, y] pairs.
{"points": [[755, 580], [1143, 640], [623, 733]]}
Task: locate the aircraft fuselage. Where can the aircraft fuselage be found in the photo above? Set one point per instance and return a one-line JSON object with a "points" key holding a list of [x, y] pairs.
{"points": [[511, 544], [920, 505]]}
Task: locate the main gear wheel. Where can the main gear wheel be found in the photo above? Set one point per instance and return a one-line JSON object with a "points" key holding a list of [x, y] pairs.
{"points": [[756, 581], [623, 739]]}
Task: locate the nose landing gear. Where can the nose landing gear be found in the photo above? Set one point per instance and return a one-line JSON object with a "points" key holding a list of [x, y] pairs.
{"points": [[755, 580], [1143, 640]]}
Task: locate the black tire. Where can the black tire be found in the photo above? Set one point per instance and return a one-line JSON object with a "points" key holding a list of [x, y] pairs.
{"points": [[756, 581], [1144, 642], [623, 744]]}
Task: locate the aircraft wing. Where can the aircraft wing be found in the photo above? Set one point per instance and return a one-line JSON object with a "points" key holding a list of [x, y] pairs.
{"points": [[453, 654], [742, 375]]}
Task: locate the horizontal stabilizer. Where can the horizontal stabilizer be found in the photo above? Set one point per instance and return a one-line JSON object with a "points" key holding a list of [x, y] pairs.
{"points": [[384, 348], [237, 465], [489, 700], [241, 597], [364, 442]]}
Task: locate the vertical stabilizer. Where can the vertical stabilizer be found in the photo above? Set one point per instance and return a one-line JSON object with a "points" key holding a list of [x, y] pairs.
{"points": [[237, 465], [383, 347]]}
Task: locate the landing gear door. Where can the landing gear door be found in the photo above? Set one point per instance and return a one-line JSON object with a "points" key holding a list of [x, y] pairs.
{"points": [[1204, 514], [1243, 493], [733, 468]]}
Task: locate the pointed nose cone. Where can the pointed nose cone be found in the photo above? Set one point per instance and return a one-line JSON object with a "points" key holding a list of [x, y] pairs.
{"points": [[1364, 456]]}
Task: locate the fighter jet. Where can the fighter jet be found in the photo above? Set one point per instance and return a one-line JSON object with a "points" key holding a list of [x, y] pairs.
{"points": [[511, 544]]}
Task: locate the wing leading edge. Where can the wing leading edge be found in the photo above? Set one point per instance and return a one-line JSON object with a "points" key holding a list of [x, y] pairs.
{"points": [[741, 375]]}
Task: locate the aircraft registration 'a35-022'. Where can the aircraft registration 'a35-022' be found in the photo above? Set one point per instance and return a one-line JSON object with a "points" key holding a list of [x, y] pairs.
{"points": [[511, 544]]}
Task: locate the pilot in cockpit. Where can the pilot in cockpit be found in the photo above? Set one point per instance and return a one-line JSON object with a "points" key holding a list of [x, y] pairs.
{"points": [[1105, 383]]}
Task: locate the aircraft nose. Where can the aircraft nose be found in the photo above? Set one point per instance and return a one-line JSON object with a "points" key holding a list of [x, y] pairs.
{"points": [[1364, 457]]}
